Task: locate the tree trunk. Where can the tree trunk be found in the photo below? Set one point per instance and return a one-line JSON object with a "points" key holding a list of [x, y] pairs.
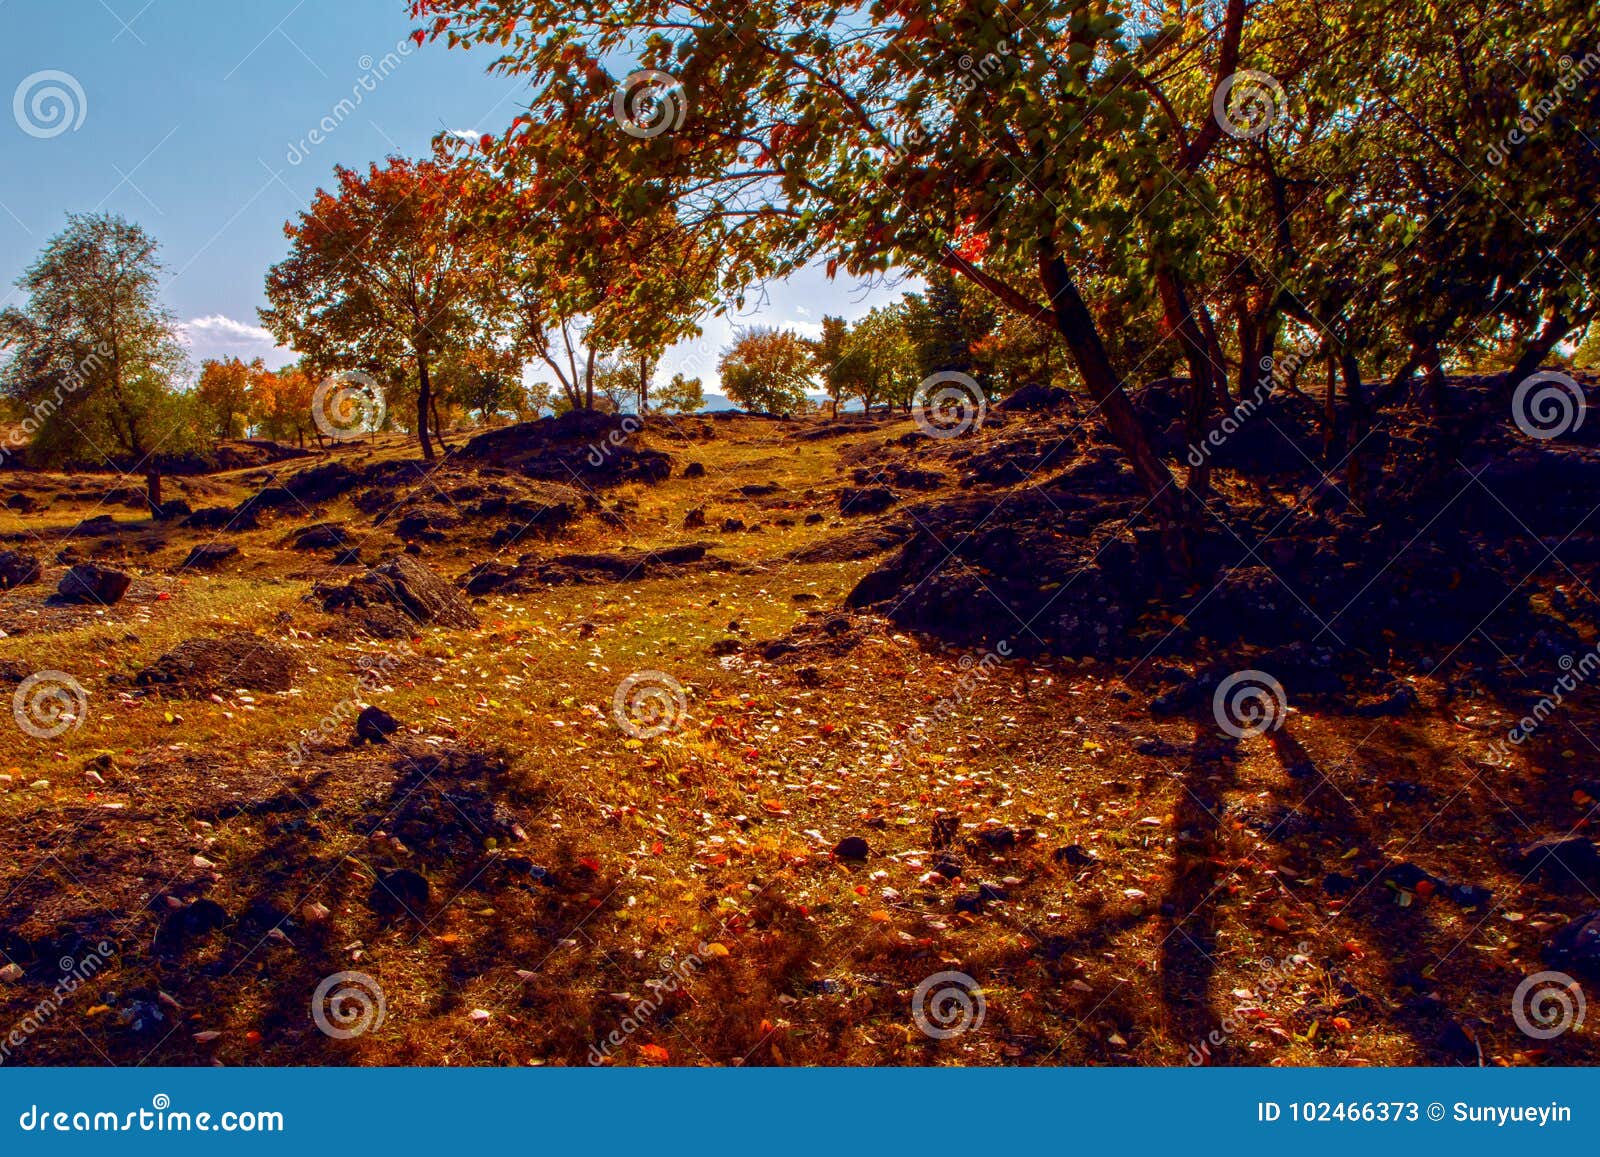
{"points": [[1077, 327], [1219, 377], [1330, 411], [1539, 347], [438, 424], [424, 405], [1356, 403], [1181, 321], [152, 490]]}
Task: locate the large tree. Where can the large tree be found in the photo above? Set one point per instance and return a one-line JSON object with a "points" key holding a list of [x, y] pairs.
{"points": [[767, 370], [383, 269], [92, 358]]}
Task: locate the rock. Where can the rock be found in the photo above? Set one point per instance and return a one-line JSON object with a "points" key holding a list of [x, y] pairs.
{"points": [[375, 725], [221, 518], [732, 525], [209, 556], [998, 839], [695, 470], [17, 569], [401, 892], [1033, 397], [169, 511], [1075, 856], [401, 591], [866, 499], [11, 973], [98, 585], [1576, 947], [201, 667], [851, 848], [193, 922], [591, 447], [1400, 699], [948, 866], [1571, 860], [426, 523], [320, 536], [695, 519]]}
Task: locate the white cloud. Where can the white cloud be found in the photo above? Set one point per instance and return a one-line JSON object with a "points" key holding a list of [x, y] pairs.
{"points": [[471, 136], [811, 329], [219, 336], [218, 328]]}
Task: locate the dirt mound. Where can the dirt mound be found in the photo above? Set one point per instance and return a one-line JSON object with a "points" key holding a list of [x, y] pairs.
{"points": [[202, 667], [600, 449], [397, 595]]}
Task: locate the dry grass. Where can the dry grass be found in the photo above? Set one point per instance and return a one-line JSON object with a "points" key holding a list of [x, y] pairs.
{"points": [[705, 853]]}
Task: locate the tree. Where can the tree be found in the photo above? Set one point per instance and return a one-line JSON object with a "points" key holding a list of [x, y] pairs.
{"points": [[383, 269], [767, 370], [879, 359], [681, 396], [1153, 183], [223, 391], [482, 377], [92, 356], [281, 404]]}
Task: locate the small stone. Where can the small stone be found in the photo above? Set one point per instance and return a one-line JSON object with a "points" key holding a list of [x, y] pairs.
{"points": [[851, 848], [315, 913], [375, 725], [202, 862], [479, 1016], [11, 973], [40, 785]]}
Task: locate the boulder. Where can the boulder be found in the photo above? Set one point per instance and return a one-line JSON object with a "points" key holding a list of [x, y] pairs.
{"points": [[209, 556], [95, 585], [17, 569], [375, 725], [320, 536], [400, 590]]}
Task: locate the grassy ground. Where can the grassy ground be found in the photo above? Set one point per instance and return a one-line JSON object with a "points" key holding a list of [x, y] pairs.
{"points": [[1131, 889]]}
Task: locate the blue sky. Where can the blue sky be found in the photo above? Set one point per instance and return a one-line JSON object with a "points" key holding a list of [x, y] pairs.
{"points": [[194, 118]]}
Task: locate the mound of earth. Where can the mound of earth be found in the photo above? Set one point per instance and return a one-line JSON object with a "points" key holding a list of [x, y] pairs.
{"points": [[445, 807], [202, 667], [600, 449], [397, 595]]}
